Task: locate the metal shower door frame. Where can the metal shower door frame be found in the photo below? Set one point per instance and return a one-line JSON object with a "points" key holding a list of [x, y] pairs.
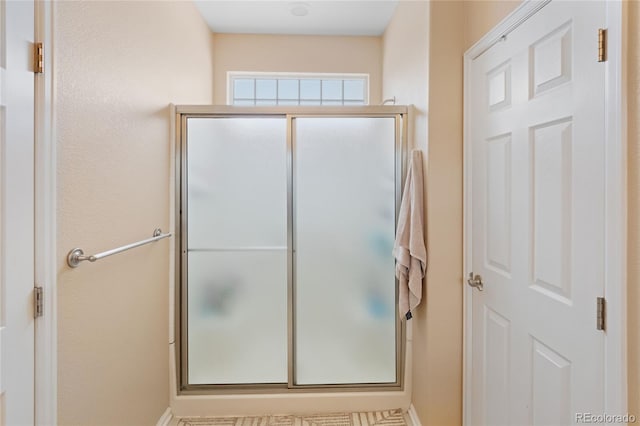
{"points": [[182, 114]]}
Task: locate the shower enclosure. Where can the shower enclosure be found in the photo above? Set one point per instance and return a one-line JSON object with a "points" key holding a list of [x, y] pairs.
{"points": [[284, 260]]}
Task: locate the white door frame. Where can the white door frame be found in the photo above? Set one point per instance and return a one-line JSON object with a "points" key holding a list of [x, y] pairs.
{"points": [[615, 202], [45, 222]]}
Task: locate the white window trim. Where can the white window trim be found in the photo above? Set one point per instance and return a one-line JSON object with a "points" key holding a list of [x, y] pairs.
{"points": [[232, 75]]}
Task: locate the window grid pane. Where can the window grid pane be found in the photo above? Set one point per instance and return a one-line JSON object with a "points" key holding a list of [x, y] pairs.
{"points": [[332, 90], [310, 89], [266, 89], [288, 89], [244, 88], [271, 91], [353, 90]]}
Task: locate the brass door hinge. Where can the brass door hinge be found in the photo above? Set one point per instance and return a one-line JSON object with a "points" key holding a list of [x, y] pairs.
{"points": [[38, 302], [601, 314], [38, 58], [602, 45]]}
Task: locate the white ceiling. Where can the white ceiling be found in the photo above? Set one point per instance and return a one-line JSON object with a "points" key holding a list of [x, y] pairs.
{"points": [[324, 17]]}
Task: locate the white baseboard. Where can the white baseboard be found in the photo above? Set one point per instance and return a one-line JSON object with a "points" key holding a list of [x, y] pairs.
{"points": [[413, 416], [166, 418]]}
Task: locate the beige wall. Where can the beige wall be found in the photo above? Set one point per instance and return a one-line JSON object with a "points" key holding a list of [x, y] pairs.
{"points": [[117, 71], [441, 321], [633, 301], [277, 53], [422, 65], [481, 16], [118, 65], [405, 64]]}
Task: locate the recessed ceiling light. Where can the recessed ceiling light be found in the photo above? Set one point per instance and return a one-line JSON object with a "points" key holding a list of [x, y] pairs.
{"points": [[299, 9]]}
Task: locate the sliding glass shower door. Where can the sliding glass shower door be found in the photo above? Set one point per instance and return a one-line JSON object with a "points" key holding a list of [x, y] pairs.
{"points": [[237, 250], [287, 229], [344, 192]]}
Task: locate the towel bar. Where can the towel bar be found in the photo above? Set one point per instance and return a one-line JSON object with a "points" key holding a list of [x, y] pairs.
{"points": [[77, 255]]}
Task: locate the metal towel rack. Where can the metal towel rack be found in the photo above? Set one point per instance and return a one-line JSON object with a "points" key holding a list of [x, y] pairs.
{"points": [[76, 255]]}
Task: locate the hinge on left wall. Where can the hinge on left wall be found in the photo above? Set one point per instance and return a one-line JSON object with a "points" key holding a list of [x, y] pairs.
{"points": [[38, 302], [38, 58]]}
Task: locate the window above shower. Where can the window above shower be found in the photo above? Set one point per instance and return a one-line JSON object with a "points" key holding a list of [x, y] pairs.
{"points": [[287, 89]]}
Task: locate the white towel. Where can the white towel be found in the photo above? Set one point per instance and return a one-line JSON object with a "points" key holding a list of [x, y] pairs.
{"points": [[409, 248]]}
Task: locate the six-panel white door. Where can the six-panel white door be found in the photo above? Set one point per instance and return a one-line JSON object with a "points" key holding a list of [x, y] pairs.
{"points": [[16, 213], [537, 134]]}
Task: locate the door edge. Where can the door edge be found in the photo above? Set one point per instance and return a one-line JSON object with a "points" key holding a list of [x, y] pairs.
{"points": [[45, 398]]}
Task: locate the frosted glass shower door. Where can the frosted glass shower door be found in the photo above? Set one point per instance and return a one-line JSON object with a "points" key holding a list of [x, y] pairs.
{"points": [[236, 254], [344, 215]]}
